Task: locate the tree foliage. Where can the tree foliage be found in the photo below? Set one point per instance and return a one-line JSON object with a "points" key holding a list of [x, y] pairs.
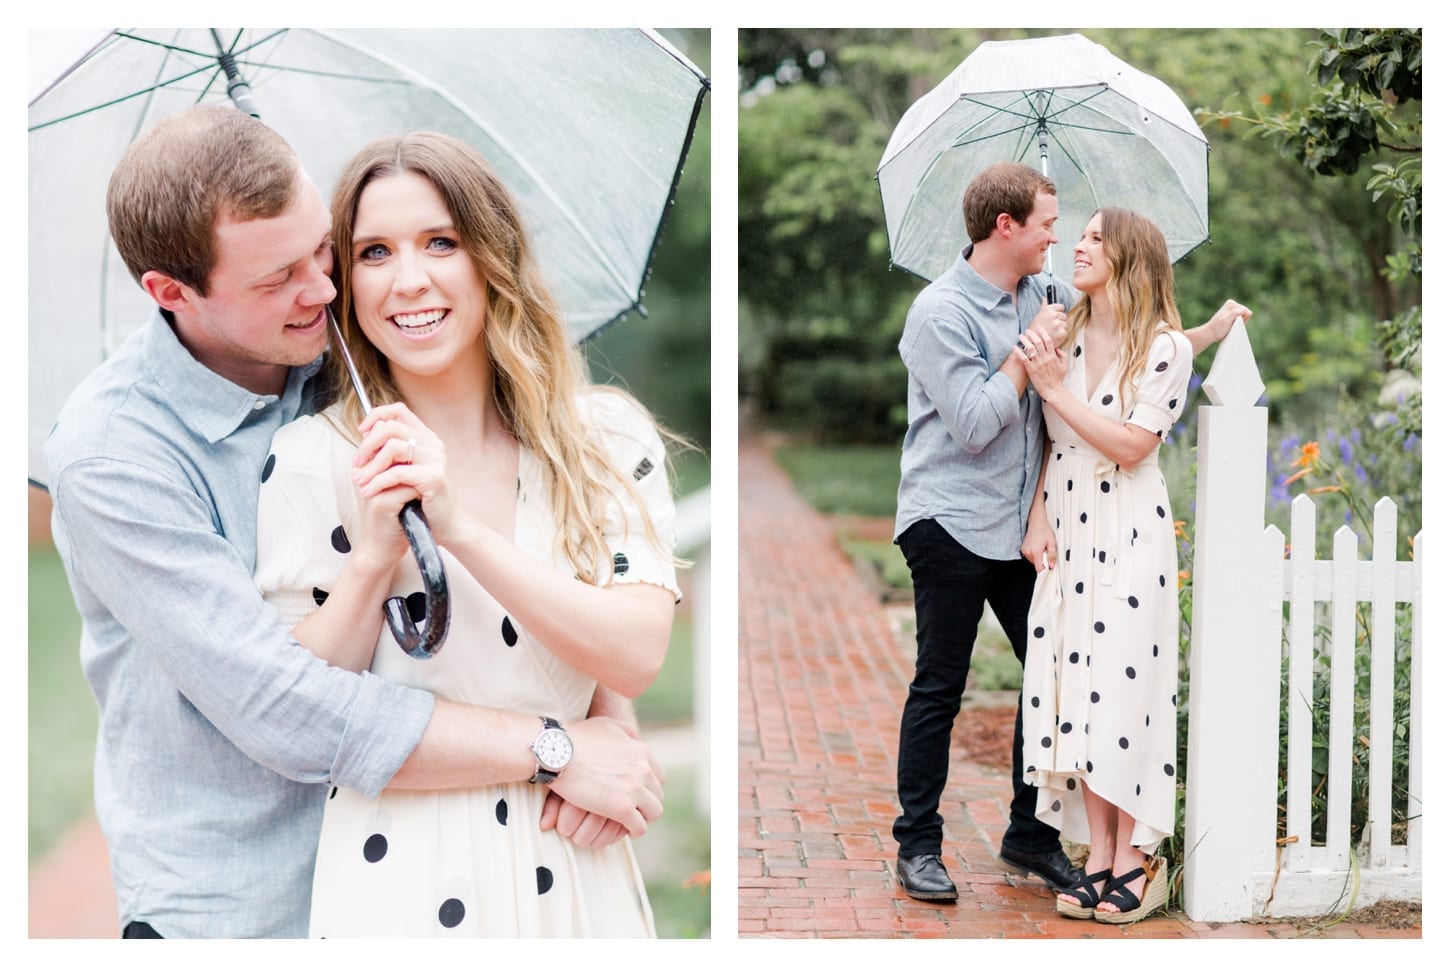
{"points": [[821, 310]]}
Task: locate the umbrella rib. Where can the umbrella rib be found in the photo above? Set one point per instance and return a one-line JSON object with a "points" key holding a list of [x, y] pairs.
{"points": [[429, 85], [125, 97]]}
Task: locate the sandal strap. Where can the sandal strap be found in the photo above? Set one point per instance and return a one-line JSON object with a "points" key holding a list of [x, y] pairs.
{"points": [[1118, 894], [1083, 890]]}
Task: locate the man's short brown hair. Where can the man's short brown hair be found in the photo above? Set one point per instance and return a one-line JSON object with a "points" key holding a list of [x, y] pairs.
{"points": [[182, 177], [1004, 187]]}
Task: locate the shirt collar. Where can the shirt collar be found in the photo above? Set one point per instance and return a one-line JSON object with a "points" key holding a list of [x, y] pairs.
{"points": [[985, 294], [210, 404]]}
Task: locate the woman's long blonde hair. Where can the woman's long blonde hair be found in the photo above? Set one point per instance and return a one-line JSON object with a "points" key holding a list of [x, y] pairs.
{"points": [[538, 374], [1139, 289]]}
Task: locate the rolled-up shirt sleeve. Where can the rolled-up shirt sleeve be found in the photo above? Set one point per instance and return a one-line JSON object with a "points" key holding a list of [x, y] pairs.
{"points": [[147, 547], [975, 403]]}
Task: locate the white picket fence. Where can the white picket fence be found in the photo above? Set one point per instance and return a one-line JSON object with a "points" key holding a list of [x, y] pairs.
{"points": [[1236, 865]]}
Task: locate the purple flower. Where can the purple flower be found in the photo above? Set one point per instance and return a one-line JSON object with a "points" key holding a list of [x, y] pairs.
{"points": [[1354, 435], [1411, 442], [1346, 453], [1359, 474]]}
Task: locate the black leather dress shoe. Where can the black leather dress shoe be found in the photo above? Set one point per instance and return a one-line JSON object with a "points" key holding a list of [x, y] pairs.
{"points": [[924, 878], [1053, 867]]}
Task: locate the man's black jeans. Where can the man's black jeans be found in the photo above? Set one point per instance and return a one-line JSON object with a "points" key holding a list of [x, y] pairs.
{"points": [[951, 584]]}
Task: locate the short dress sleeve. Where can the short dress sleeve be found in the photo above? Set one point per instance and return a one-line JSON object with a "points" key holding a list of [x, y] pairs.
{"points": [[634, 448], [302, 537], [1162, 390]]}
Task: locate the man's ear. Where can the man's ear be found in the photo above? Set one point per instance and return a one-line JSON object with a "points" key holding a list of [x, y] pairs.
{"points": [[1005, 224], [168, 293]]}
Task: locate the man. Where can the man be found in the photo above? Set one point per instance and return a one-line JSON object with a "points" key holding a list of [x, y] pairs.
{"points": [[218, 734], [969, 471]]}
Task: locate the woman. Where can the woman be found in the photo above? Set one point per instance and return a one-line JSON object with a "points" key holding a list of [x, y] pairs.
{"points": [[1100, 686], [551, 503]]}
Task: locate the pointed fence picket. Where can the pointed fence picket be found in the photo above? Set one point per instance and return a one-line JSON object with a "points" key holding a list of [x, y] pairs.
{"points": [[1244, 583]]}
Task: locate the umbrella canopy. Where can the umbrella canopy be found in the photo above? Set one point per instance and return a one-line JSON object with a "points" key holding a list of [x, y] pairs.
{"points": [[1105, 132], [588, 128]]}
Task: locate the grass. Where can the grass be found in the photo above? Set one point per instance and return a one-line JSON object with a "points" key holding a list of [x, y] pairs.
{"points": [[859, 480], [62, 711]]}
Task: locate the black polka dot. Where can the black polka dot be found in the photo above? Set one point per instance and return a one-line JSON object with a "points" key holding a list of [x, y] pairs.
{"points": [[1161, 511], [1135, 533], [417, 603], [1131, 672], [1138, 790], [1123, 742], [1044, 495], [1162, 581], [644, 467], [1161, 367], [1077, 351], [1066, 727], [1096, 697], [1079, 587], [1047, 741], [450, 914], [1057, 805], [501, 812], [1059, 456], [1073, 658], [1168, 768], [269, 466], [319, 596], [1106, 487], [1155, 651], [1069, 485], [1067, 554], [1174, 700], [546, 879], [1036, 701], [1099, 627], [1132, 601], [333, 793], [1173, 404], [1107, 399], [1102, 557], [1039, 631], [510, 635], [621, 564], [1082, 518], [375, 848], [1147, 720], [1031, 769], [1071, 784], [1090, 765], [339, 540]]}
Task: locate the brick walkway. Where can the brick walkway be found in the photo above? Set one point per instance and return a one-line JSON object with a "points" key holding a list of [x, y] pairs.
{"points": [[821, 685]]}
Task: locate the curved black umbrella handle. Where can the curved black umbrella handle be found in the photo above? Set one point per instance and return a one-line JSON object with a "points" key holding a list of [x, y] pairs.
{"points": [[427, 642]]}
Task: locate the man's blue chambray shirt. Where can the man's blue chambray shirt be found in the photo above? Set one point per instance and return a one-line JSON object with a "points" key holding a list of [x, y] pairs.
{"points": [[218, 733], [973, 448]]}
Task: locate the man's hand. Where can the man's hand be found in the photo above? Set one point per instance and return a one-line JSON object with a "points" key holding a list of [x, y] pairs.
{"points": [[613, 774], [1217, 326], [1050, 323]]}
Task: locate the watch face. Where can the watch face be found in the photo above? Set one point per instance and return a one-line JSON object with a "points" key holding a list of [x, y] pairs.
{"points": [[554, 749]]}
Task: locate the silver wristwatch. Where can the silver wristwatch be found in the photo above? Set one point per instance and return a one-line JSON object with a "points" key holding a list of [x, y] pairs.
{"points": [[553, 749]]}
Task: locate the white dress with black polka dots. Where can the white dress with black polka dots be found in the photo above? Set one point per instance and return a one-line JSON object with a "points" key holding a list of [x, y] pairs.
{"points": [[468, 863], [1100, 682]]}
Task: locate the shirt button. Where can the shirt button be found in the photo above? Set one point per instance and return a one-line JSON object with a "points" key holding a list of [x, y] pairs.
{"points": [[259, 405]]}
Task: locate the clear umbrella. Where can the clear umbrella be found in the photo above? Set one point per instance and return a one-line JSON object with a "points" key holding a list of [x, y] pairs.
{"points": [[1103, 131], [589, 128]]}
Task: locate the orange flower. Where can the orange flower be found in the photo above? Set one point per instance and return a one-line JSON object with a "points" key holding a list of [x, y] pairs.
{"points": [[1265, 99], [1323, 490], [1297, 477], [1179, 531], [1308, 454], [1182, 578], [700, 880]]}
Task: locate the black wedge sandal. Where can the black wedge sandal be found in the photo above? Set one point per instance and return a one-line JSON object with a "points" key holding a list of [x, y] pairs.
{"points": [[1130, 908], [1085, 892]]}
